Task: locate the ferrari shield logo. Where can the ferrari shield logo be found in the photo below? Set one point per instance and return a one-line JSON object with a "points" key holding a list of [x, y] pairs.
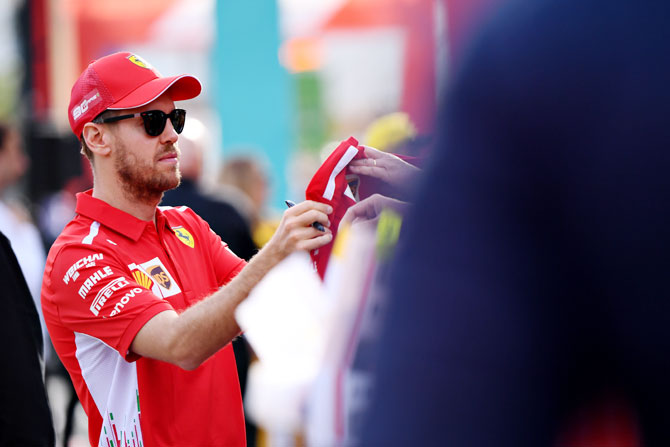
{"points": [[184, 236], [135, 59]]}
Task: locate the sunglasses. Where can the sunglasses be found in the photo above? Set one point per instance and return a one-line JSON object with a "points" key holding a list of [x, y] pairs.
{"points": [[154, 120]]}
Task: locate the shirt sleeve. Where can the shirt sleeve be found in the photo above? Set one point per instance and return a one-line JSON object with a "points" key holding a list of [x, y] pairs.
{"points": [[226, 263], [96, 295]]}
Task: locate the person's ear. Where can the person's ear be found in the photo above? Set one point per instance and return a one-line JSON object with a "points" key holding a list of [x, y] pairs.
{"points": [[97, 139]]}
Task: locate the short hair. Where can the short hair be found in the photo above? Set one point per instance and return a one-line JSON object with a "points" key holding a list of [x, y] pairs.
{"points": [[85, 150]]}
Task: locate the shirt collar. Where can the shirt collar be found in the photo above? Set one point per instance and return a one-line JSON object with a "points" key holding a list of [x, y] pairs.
{"points": [[119, 221]]}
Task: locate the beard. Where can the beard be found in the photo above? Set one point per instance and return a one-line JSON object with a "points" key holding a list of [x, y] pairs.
{"points": [[145, 181]]}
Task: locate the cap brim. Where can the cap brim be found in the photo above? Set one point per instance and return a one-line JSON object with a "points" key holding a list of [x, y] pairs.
{"points": [[181, 88]]}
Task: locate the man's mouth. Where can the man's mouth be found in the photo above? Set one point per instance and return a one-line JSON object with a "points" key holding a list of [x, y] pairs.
{"points": [[168, 157]]}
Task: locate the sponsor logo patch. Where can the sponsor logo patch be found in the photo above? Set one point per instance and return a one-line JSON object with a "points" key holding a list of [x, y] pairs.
{"points": [[93, 280], [160, 276], [124, 300], [86, 261], [143, 279], [106, 292], [184, 235], [155, 276]]}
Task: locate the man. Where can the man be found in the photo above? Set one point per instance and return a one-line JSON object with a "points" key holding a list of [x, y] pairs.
{"points": [[140, 300], [535, 265]]}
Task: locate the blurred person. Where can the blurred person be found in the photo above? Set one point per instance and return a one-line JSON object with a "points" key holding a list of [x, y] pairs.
{"points": [[139, 299], [15, 219], [246, 185], [54, 211], [534, 264], [25, 418]]}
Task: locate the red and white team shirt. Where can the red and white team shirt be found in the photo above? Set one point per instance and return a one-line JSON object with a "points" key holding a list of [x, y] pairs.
{"points": [[107, 274]]}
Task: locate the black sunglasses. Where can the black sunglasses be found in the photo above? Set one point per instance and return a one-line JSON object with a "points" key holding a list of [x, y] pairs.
{"points": [[154, 120]]}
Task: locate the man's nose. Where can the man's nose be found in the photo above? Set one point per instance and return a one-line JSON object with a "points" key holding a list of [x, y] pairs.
{"points": [[169, 135]]}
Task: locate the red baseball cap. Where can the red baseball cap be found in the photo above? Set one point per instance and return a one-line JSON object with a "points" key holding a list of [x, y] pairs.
{"points": [[122, 81]]}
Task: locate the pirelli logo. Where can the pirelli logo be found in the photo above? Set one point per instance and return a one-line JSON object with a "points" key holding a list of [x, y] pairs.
{"points": [[106, 292]]}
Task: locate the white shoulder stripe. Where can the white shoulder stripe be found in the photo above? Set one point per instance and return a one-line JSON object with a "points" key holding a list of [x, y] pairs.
{"points": [[88, 240], [181, 209]]}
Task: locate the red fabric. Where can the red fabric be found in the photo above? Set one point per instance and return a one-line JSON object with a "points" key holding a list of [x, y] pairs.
{"points": [[329, 185], [609, 422], [109, 273]]}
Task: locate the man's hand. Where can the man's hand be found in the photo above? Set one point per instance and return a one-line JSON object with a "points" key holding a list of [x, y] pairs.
{"points": [[370, 208], [386, 167], [295, 231]]}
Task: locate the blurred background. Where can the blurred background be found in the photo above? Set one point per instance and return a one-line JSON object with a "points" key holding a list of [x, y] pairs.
{"points": [[281, 81]]}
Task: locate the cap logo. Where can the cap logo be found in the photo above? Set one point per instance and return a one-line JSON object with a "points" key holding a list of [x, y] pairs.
{"points": [[135, 59], [82, 107]]}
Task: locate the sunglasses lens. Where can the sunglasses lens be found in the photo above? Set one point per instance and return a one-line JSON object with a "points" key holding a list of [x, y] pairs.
{"points": [[154, 122], [178, 118]]}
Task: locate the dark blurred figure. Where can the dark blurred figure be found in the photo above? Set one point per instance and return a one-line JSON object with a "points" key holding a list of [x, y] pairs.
{"points": [[224, 219], [25, 418], [534, 268], [244, 183]]}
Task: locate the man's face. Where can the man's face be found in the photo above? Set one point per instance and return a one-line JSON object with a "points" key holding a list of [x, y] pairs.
{"points": [[146, 166]]}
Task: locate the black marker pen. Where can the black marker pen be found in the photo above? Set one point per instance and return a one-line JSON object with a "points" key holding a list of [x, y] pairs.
{"points": [[317, 225]]}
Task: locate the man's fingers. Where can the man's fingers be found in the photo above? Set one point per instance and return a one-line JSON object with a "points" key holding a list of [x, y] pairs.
{"points": [[316, 242], [307, 205], [311, 216], [308, 238]]}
